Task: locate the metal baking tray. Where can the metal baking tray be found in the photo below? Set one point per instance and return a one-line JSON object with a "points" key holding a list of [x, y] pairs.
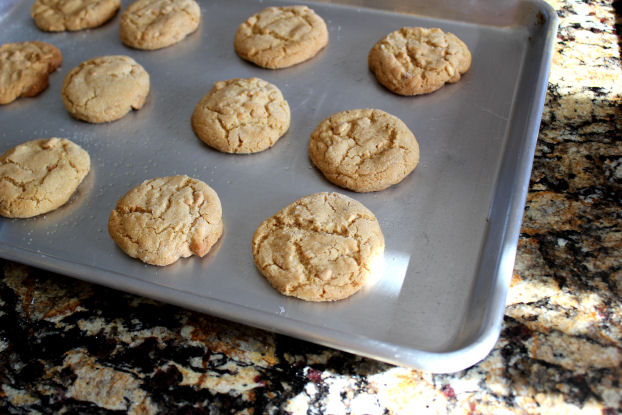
{"points": [[451, 227]]}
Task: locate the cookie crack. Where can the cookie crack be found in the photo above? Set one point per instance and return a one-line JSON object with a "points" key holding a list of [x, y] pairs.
{"points": [[8, 160], [308, 225], [223, 126], [312, 273], [86, 103], [192, 226], [176, 189], [359, 216], [160, 230], [264, 31], [55, 7], [129, 210], [355, 154], [262, 122], [25, 184], [259, 243], [306, 19], [21, 185], [126, 235], [76, 170], [407, 56], [301, 257], [190, 15]]}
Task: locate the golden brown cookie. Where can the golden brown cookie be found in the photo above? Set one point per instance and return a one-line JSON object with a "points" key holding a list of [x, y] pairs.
{"points": [[278, 37], [167, 218], [322, 247], [61, 15], [364, 150], [417, 60], [25, 67], [105, 88], [155, 24], [39, 176], [241, 116]]}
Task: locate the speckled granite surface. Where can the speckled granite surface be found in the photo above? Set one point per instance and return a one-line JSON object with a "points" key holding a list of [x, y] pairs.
{"points": [[72, 347]]}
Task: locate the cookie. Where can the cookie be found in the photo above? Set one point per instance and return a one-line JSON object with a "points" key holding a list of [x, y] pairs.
{"points": [[417, 60], [167, 218], [62, 15], [39, 176], [322, 247], [25, 67], [241, 116], [105, 88], [278, 37], [155, 24], [364, 150]]}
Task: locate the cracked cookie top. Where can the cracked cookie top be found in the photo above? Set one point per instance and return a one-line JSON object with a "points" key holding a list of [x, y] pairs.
{"points": [[24, 68], [105, 88], [61, 15], [322, 247], [278, 37], [417, 60], [364, 150], [39, 176], [241, 116], [155, 24], [167, 218]]}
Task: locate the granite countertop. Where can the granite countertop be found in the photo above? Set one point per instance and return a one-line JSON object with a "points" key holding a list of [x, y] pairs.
{"points": [[73, 347]]}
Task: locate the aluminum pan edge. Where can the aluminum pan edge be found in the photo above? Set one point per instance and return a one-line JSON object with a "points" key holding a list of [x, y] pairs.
{"points": [[509, 201]]}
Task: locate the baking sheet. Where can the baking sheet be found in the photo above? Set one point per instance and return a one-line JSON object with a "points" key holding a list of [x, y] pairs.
{"points": [[451, 227]]}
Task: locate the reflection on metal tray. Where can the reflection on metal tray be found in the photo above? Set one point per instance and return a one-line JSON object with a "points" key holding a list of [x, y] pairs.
{"points": [[451, 227]]}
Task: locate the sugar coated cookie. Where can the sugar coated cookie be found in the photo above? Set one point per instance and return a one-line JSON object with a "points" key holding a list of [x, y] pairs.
{"points": [[278, 37], [417, 60], [61, 15], [155, 24], [39, 176], [105, 88], [364, 150], [322, 247], [241, 116], [167, 218], [24, 68]]}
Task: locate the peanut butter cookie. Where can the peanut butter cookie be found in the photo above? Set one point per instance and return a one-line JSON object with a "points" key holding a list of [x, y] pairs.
{"points": [[105, 88], [25, 67], [62, 15], [155, 24], [278, 37], [364, 150], [241, 116], [322, 247], [167, 218], [417, 60], [39, 176]]}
